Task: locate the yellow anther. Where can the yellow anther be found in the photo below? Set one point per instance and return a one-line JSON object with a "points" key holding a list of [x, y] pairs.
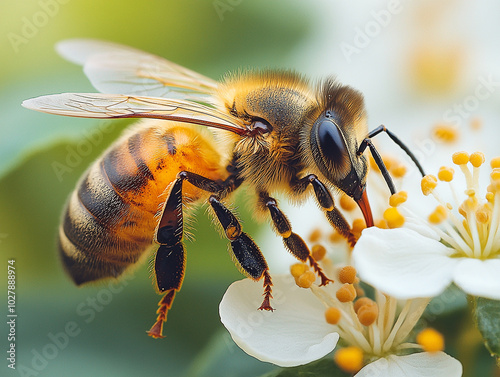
{"points": [[495, 162], [398, 171], [349, 359], [298, 269], [367, 314], [445, 133], [315, 235], [332, 315], [495, 174], [490, 197], [394, 218], [460, 158], [358, 225], [362, 301], [438, 215], [445, 174], [336, 237], [483, 215], [476, 123], [477, 159], [382, 224], [428, 184], [346, 293], [430, 340], [306, 279], [347, 274], [318, 252], [398, 198], [347, 203]]}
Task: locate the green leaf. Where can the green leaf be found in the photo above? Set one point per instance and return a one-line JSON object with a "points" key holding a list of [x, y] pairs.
{"points": [[323, 367], [487, 313]]}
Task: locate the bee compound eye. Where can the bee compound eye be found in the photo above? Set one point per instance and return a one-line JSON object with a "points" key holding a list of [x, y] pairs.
{"points": [[330, 141]]}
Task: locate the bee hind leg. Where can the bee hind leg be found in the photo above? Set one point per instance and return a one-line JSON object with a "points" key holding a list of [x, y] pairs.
{"points": [[293, 242], [170, 259]]}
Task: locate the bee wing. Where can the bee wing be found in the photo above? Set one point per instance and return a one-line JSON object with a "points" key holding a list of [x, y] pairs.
{"points": [[99, 105], [113, 68]]}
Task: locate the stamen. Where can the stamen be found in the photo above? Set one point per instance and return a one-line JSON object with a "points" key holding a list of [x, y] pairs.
{"points": [[445, 133], [347, 275], [495, 163], [394, 218], [357, 227], [347, 203], [398, 171], [315, 235], [446, 174], [363, 301], [431, 340], [349, 359], [346, 293], [367, 314], [306, 279], [398, 198], [298, 269], [428, 184], [461, 159], [438, 215], [332, 315], [318, 252]]}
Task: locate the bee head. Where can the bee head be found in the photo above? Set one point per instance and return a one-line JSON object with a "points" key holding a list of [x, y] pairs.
{"points": [[337, 129]]}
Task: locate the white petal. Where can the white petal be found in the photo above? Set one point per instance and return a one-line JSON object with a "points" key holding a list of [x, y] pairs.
{"points": [[403, 263], [294, 334], [421, 364], [479, 277]]}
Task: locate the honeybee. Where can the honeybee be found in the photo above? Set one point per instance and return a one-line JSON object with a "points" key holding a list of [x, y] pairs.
{"points": [[272, 131]]}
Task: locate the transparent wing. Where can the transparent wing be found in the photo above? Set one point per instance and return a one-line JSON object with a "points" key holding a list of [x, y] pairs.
{"points": [[113, 68], [98, 105]]}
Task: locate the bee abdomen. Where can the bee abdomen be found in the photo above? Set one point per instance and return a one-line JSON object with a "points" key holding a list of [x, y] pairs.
{"points": [[101, 234]]}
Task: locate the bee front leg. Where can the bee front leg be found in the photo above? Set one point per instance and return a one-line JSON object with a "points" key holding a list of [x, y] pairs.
{"points": [[325, 200], [293, 242], [245, 252]]}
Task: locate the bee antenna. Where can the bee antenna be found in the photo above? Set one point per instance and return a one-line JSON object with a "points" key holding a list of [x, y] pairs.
{"points": [[378, 159]]}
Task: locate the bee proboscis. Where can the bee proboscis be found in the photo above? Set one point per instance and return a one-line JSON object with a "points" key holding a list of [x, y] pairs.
{"points": [[271, 131]]}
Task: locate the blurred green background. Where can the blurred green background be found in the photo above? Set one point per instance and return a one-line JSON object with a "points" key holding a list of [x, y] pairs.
{"points": [[211, 37]]}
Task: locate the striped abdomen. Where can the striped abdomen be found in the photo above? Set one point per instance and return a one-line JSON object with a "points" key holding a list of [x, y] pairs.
{"points": [[109, 220]]}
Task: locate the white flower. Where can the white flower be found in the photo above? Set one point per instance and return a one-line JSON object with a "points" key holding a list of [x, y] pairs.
{"points": [[301, 329], [458, 243], [294, 334]]}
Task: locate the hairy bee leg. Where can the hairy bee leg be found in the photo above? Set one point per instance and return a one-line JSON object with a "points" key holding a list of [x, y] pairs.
{"points": [[170, 260], [293, 242], [245, 251], [325, 200]]}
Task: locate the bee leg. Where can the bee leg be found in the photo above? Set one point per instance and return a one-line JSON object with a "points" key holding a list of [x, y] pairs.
{"points": [[293, 242], [325, 200], [245, 251], [170, 257], [378, 159]]}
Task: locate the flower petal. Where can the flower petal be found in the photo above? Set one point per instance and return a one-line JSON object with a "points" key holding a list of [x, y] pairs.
{"points": [[294, 334], [479, 277], [403, 263], [421, 364]]}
